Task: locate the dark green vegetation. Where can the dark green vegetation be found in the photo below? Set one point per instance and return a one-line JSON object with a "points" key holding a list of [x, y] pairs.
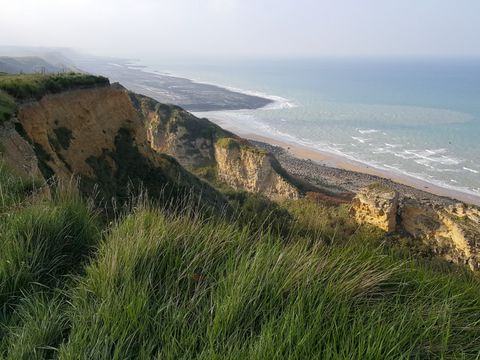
{"points": [[7, 107], [64, 136], [166, 181], [308, 283], [26, 87]]}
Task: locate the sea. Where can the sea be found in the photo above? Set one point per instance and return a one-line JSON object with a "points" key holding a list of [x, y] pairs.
{"points": [[416, 117]]}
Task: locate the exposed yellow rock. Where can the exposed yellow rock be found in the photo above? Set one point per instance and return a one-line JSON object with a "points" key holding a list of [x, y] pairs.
{"points": [[450, 232], [72, 126], [376, 205], [199, 143], [247, 168], [99, 135]]}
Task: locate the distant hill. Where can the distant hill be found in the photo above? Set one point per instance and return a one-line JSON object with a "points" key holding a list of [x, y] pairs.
{"points": [[29, 65]]}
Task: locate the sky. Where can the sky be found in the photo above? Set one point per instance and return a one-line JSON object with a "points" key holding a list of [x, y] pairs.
{"points": [[246, 28]]}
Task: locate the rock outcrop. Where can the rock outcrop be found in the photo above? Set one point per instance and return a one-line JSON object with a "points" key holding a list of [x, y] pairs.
{"points": [[98, 135], [174, 131], [245, 167], [376, 205], [451, 232], [198, 143]]}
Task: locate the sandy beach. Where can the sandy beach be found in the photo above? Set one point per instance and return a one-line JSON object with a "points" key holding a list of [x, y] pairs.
{"points": [[335, 173]]}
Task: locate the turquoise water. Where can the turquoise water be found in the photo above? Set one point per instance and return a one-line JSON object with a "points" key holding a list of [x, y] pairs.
{"points": [[419, 117]]}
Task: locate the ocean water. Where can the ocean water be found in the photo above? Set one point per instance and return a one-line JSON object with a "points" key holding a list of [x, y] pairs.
{"points": [[418, 117]]}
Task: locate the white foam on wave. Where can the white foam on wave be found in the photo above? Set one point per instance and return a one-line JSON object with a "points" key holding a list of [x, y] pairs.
{"points": [[471, 170], [360, 139], [245, 121], [428, 157], [368, 131]]}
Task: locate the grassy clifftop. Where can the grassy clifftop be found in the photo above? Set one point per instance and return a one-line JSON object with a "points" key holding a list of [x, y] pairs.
{"points": [[152, 284], [34, 86]]}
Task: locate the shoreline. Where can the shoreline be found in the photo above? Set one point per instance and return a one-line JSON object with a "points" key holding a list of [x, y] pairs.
{"points": [[192, 95], [351, 174], [255, 100]]}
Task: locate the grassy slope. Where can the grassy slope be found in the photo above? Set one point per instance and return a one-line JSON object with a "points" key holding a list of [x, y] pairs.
{"points": [[156, 285]]}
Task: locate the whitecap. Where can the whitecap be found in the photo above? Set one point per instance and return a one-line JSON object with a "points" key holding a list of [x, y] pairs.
{"points": [[368, 131], [360, 140], [471, 170]]}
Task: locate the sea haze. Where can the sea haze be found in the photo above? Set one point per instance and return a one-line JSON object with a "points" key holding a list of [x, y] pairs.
{"points": [[413, 116]]}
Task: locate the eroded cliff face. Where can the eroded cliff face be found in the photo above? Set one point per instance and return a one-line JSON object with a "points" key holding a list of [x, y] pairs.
{"points": [[176, 132], [197, 143], [98, 135], [376, 205], [451, 232], [247, 168]]}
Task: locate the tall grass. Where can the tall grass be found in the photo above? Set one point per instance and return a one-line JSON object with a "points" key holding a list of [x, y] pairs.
{"points": [[157, 284], [41, 244], [15, 189], [165, 287]]}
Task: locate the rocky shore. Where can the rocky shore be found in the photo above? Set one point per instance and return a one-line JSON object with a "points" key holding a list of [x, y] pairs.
{"points": [[337, 181]]}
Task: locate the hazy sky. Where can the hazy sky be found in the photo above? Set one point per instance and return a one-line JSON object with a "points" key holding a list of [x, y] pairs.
{"points": [[251, 28]]}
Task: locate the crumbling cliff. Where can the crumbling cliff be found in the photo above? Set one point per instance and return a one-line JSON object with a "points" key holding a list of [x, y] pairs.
{"points": [[97, 135], [198, 143], [451, 232], [245, 167]]}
